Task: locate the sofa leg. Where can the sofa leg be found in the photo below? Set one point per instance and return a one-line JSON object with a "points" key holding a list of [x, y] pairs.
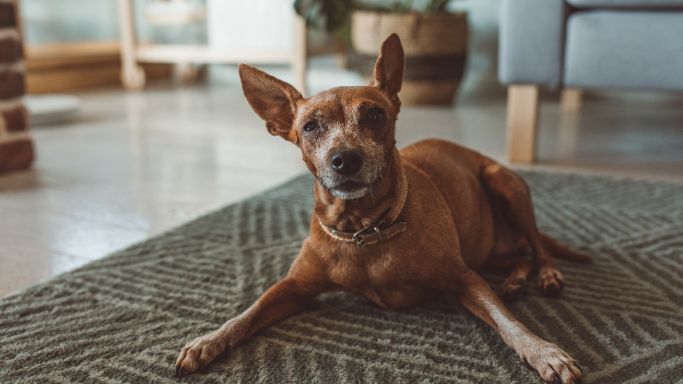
{"points": [[522, 123], [570, 101]]}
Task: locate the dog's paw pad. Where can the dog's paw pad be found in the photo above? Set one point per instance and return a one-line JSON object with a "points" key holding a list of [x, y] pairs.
{"points": [[198, 354], [513, 287], [550, 281], [553, 364]]}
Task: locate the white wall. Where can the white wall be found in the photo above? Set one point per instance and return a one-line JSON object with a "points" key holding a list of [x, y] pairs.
{"points": [[69, 20]]}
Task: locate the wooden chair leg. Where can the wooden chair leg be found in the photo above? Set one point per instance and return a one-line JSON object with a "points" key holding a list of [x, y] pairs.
{"points": [[522, 123], [570, 101]]}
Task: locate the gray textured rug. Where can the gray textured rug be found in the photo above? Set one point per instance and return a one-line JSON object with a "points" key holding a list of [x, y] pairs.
{"points": [[123, 319]]}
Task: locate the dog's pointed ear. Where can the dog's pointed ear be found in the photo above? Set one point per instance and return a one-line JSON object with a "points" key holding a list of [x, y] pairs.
{"points": [[388, 74], [272, 99]]}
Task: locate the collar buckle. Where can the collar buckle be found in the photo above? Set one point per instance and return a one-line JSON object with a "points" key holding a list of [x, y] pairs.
{"points": [[360, 237]]}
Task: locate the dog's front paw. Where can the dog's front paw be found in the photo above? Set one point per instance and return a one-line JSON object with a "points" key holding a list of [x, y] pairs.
{"points": [[552, 363], [199, 353]]}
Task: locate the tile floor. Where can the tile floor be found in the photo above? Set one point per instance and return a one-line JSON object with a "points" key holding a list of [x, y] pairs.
{"points": [[135, 164]]}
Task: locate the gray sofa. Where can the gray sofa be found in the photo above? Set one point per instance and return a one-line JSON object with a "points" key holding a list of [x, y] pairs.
{"points": [[582, 44]]}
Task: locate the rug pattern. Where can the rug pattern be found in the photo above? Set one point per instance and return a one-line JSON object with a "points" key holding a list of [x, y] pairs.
{"points": [[124, 318]]}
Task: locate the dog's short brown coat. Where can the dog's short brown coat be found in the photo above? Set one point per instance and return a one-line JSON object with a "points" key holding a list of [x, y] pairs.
{"points": [[463, 212]]}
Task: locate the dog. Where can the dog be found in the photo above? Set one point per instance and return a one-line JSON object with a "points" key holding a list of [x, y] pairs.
{"points": [[397, 227]]}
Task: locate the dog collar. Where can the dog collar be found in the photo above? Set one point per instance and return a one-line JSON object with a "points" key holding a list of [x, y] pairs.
{"points": [[378, 231], [369, 235]]}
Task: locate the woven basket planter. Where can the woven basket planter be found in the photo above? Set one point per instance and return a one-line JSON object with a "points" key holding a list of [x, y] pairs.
{"points": [[435, 47], [16, 147]]}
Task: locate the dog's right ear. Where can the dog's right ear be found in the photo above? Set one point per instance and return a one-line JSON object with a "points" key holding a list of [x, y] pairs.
{"points": [[388, 73], [272, 99]]}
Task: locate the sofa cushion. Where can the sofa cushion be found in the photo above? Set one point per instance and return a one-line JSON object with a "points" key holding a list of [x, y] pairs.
{"points": [[531, 42], [623, 49], [626, 3]]}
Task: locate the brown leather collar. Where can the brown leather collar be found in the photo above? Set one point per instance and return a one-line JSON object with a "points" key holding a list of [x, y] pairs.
{"points": [[369, 235]]}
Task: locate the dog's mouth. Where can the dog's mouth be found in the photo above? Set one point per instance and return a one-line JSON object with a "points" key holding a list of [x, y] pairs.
{"points": [[350, 189], [350, 186]]}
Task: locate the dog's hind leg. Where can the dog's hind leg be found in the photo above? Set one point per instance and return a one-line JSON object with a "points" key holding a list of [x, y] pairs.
{"points": [[518, 267], [514, 284], [514, 200]]}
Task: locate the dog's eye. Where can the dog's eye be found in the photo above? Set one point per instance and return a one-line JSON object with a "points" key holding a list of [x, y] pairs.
{"points": [[375, 115], [310, 126]]}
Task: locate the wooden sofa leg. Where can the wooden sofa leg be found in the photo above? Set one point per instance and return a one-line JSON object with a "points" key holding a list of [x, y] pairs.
{"points": [[570, 101], [522, 123]]}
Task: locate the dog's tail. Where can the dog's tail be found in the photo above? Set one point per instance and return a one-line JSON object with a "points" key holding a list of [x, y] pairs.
{"points": [[561, 251]]}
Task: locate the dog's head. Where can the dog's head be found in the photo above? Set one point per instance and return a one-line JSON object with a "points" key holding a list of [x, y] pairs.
{"points": [[346, 134]]}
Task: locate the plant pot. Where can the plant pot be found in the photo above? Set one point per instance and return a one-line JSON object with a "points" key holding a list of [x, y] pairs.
{"points": [[435, 47]]}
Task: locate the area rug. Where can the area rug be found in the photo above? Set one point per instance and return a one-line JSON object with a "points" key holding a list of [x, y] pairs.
{"points": [[124, 318]]}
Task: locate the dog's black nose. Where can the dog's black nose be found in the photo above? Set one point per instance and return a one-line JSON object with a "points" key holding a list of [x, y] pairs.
{"points": [[347, 161]]}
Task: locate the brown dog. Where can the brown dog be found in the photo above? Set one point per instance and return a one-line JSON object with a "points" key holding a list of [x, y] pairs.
{"points": [[396, 226]]}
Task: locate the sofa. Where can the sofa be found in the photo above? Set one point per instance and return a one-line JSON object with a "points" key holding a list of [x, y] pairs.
{"points": [[583, 44]]}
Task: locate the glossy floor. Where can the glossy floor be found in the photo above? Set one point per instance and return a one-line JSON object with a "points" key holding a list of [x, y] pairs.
{"points": [[135, 164]]}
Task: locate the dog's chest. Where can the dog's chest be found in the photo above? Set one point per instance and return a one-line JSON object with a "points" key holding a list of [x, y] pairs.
{"points": [[380, 277]]}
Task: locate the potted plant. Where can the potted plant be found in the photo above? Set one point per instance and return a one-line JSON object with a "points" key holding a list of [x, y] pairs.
{"points": [[434, 40]]}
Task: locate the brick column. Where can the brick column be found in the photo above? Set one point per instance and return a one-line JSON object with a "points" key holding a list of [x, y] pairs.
{"points": [[16, 146]]}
